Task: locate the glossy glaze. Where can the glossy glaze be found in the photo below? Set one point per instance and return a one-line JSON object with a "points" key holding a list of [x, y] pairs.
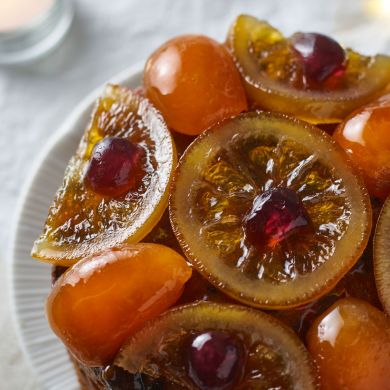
{"points": [[351, 345], [365, 136], [102, 300], [194, 82]]}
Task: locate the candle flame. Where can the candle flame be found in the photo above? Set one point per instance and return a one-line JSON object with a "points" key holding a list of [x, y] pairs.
{"points": [[379, 8]]}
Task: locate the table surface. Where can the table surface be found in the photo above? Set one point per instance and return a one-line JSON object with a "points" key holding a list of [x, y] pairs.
{"points": [[104, 39]]}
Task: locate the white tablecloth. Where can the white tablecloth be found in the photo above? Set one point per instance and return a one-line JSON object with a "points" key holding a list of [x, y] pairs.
{"points": [[106, 37]]}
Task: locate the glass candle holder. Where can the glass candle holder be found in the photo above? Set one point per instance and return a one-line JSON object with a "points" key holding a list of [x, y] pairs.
{"points": [[30, 29]]}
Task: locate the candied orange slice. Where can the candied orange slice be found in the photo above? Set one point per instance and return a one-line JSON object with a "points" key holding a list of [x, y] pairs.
{"points": [[82, 222], [273, 78], [269, 210], [382, 256], [103, 299], [248, 346]]}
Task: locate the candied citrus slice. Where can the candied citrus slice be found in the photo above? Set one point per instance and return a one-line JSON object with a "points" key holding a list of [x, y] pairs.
{"points": [[269, 210], [81, 221], [350, 342], [103, 299], [382, 256], [187, 340], [273, 75]]}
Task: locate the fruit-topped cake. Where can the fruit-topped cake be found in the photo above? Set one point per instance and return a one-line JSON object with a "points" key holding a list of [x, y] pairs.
{"points": [[258, 259]]}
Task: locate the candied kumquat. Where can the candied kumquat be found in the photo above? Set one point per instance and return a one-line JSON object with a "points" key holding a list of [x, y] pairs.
{"points": [[99, 302], [365, 136], [351, 345], [193, 81]]}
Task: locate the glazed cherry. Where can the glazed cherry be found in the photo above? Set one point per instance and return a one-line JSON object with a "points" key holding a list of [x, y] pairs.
{"points": [[215, 360], [275, 215], [321, 55], [114, 166]]}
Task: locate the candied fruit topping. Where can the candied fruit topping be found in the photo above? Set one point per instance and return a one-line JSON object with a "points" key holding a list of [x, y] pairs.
{"points": [[99, 302], [382, 256], [215, 360], [114, 166], [231, 347], [321, 55], [269, 210], [351, 344], [275, 215], [365, 137], [192, 79], [135, 154], [308, 75]]}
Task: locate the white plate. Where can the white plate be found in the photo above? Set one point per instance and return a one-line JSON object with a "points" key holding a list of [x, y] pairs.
{"points": [[31, 279]]}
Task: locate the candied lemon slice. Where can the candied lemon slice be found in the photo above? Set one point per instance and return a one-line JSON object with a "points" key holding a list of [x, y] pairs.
{"points": [[382, 256], [82, 222], [269, 210], [272, 75], [271, 355]]}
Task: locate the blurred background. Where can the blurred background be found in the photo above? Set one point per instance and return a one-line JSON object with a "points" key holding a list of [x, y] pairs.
{"points": [[101, 40]]}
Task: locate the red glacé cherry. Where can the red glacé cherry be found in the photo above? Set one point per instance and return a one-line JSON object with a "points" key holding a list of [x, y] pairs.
{"points": [[114, 166], [215, 360], [275, 215], [321, 55]]}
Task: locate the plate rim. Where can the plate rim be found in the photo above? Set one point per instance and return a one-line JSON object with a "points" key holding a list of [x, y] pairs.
{"points": [[64, 129]]}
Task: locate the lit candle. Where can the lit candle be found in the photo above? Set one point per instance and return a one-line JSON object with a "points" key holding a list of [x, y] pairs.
{"points": [[15, 14], [31, 28], [378, 8]]}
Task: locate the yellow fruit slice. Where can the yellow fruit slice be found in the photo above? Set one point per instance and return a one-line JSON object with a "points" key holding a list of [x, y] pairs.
{"points": [[382, 256], [221, 178], [82, 222], [273, 356], [271, 75]]}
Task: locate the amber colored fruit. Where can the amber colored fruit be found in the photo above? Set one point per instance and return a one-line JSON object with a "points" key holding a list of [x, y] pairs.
{"points": [[81, 222], [99, 302], [216, 187], [365, 136], [275, 357], [351, 344], [359, 283], [192, 79], [382, 256], [274, 75]]}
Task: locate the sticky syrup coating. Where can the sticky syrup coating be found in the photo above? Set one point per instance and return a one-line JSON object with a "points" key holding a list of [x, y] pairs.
{"points": [[96, 305], [351, 345], [193, 81]]}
